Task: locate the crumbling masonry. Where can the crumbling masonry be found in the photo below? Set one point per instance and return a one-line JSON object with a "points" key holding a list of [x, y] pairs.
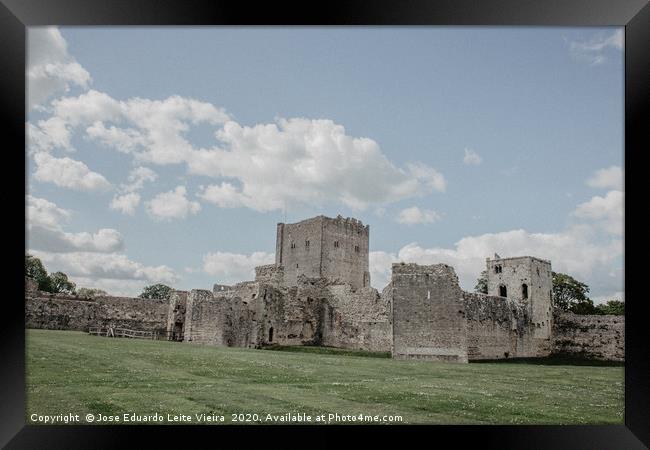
{"points": [[318, 293]]}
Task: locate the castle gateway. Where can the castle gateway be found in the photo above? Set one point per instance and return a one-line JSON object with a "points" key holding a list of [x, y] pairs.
{"points": [[318, 293]]}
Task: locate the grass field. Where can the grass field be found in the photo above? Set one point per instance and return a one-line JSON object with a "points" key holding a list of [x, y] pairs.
{"points": [[72, 372]]}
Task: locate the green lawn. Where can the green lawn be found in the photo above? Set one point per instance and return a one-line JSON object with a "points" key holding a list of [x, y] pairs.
{"points": [[72, 372]]}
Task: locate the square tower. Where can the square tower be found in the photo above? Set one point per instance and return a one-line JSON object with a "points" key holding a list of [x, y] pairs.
{"points": [[336, 249], [527, 280]]}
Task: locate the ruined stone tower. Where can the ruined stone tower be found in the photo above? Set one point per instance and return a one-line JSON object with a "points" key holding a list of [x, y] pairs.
{"points": [[336, 249], [528, 280]]}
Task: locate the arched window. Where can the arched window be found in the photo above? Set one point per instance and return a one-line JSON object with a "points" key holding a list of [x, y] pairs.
{"points": [[503, 292], [271, 334], [524, 291]]}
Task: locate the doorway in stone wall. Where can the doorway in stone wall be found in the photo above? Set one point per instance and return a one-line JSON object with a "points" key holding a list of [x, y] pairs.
{"points": [[271, 334], [503, 292]]}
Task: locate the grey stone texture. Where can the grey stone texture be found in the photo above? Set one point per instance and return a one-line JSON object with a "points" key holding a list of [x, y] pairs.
{"points": [[428, 320], [597, 337], [319, 294], [69, 312], [529, 281], [336, 249]]}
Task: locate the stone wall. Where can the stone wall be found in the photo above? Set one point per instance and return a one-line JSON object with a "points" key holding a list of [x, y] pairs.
{"points": [[592, 336], [269, 274], [59, 312], [428, 313], [357, 319], [345, 252], [70, 312], [497, 328], [298, 249]]}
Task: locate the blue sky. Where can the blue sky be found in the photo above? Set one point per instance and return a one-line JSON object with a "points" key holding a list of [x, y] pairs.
{"points": [[169, 154]]}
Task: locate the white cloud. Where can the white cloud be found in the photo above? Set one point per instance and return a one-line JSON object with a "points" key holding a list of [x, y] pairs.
{"points": [[126, 203], [606, 211], [50, 69], [137, 178], [45, 231], [611, 177], [415, 215], [68, 173], [301, 161], [572, 251], [172, 205], [229, 268], [615, 295], [156, 128], [49, 134], [471, 157], [45, 213], [128, 199], [293, 162], [593, 50], [99, 266]]}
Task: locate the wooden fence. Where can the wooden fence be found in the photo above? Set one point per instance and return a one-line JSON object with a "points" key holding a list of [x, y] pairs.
{"points": [[134, 334], [122, 332]]}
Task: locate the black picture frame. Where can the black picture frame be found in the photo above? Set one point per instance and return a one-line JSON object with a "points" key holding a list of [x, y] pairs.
{"points": [[634, 15]]}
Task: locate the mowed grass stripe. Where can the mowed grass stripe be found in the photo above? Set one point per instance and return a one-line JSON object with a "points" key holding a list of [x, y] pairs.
{"points": [[75, 372]]}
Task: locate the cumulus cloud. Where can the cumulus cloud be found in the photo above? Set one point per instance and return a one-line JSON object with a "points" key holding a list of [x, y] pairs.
{"points": [[137, 178], [415, 215], [50, 69], [229, 268], [126, 203], [172, 205], [611, 177], [127, 199], [45, 231], [112, 266], [606, 211], [471, 157], [68, 173], [572, 251], [593, 50], [291, 162], [302, 161]]}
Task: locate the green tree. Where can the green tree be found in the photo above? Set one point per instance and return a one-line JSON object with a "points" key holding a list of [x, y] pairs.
{"points": [[61, 284], [90, 292], [34, 269], [481, 284], [570, 294], [161, 291], [615, 307]]}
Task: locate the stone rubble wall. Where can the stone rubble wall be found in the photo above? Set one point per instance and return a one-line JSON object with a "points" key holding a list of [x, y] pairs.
{"points": [[497, 328], [71, 312], [428, 313], [59, 312], [589, 336]]}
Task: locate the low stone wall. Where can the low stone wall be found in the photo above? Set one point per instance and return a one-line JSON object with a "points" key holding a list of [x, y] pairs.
{"points": [[59, 312], [589, 336], [69, 312]]}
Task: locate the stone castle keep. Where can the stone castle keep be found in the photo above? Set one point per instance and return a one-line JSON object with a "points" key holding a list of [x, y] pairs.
{"points": [[318, 293]]}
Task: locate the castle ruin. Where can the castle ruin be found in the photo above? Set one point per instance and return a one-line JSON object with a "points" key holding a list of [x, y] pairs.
{"points": [[318, 293]]}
